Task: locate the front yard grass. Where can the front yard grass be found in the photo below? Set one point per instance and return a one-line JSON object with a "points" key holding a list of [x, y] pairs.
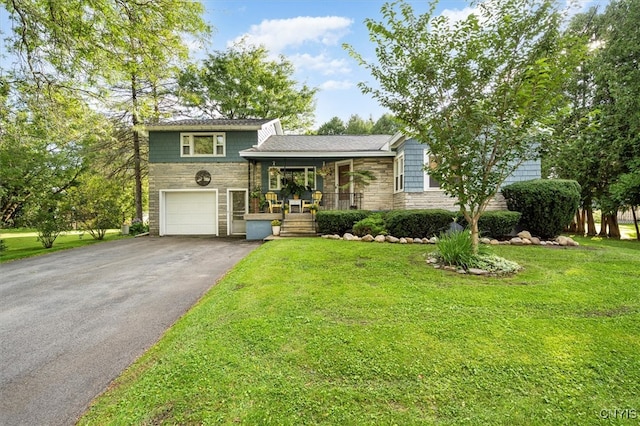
{"points": [[24, 242], [313, 331]]}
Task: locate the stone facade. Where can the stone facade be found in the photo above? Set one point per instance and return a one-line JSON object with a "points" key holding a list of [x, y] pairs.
{"points": [[163, 176]]}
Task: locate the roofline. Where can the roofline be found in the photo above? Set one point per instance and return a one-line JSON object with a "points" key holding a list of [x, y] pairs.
{"points": [[211, 127], [315, 154], [397, 139]]}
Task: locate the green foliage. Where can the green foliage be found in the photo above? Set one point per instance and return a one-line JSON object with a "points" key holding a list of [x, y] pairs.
{"points": [[494, 224], [95, 202], [547, 205], [373, 225], [335, 126], [138, 227], [338, 221], [3, 246], [456, 249], [242, 82], [356, 125], [50, 217], [481, 92], [418, 223]]}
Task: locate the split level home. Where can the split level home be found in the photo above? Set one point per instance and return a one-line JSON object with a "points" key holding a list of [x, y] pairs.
{"points": [[202, 174]]}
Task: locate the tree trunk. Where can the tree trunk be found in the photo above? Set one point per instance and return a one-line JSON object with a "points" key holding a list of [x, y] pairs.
{"points": [[603, 225], [475, 237], [591, 224], [137, 168], [635, 222], [614, 229]]}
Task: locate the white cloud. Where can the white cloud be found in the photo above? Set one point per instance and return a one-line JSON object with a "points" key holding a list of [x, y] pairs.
{"points": [[456, 15], [336, 85], [320, 63], [278, 34]]}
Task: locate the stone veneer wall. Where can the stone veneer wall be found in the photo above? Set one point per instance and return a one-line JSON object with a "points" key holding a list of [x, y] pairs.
{"points": [[437, 200], [378, 195], [182, 176]]}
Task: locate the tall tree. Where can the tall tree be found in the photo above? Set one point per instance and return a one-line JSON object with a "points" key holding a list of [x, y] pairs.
{"points": [[126, 44], [335, 126], [480, 92], [357, 125], [242, 82], [385, 125]]}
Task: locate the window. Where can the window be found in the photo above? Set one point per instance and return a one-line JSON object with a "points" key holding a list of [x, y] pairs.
{"points": [[398, 173], [429, 163], [203, 145], [301, 175]]}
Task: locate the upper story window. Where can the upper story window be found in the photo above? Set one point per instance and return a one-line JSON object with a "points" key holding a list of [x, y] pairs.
{"points": [[398, 173], [429, 163], [202, 145]]}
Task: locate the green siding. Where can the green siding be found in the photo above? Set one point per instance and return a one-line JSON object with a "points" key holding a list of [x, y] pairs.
{"points": [[164, 147]]}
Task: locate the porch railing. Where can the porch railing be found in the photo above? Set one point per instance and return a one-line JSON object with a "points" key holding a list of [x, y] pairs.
{"points": [[341, 201]]}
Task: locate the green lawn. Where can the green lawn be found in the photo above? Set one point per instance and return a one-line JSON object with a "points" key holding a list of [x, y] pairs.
{"points": [[23, 242], [313, 331]]}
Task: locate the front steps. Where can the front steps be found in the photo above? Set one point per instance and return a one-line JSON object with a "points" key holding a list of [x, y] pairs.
{"points": [[298, 225]]}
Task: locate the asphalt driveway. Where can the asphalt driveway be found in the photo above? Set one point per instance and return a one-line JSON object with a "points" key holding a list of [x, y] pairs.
{"points": [[73, 320]]}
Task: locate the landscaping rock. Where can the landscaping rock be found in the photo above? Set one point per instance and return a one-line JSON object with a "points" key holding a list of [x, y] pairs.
{"points": [[524, 234], [348, 237], [526, 242], [516, 241], [425, 240], [392, 239], [494, 242], [409, 240], [403, 240], [379, 239], [485, 240], [334, 237], [433, 240], [476, 271], [535, 241], [367, 238], [562, 240], [417, 241]]}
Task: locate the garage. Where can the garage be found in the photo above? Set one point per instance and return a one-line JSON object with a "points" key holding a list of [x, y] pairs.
{"points": [[189, 212]]}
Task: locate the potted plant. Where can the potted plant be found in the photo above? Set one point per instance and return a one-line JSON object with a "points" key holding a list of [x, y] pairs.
{"points": [[275, 227], [313, 208], [291, 188]]}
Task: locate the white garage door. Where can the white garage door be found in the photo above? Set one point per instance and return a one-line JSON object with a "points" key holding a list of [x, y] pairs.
{"points": [[190, 213]]}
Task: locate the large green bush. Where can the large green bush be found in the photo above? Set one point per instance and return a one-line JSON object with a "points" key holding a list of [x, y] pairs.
{"points": [[373, 225], [418, 223], [547, 205], [494, 224], [338, 221]]}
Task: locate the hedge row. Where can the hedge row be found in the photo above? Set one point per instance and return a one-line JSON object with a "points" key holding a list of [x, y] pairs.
{"points": [[411, 223], [494, 224], [547, 205]]}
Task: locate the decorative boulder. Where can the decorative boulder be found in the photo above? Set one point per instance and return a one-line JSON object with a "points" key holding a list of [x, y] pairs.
{"points": [[562, 240], [380, 239], [367, 238], [516, 241], [392, 239], [403, 240], [485, 240], [348, 237], [524, 234]]}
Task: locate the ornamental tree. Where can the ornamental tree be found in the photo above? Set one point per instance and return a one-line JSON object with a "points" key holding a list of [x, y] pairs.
{"points": [[481, 92]]}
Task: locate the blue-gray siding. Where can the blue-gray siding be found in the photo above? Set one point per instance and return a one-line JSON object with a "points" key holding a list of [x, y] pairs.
{"points": [[164, 147], [414, 163]]}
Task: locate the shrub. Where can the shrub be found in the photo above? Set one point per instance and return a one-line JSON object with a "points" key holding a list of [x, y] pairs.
{"points": [[494, 224], [3, 246], [547, 205], [455, 248], [373, 225], [418, 223], [338, 221], [138, 227]]}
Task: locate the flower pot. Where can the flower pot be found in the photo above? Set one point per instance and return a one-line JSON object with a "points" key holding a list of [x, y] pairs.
{"points": [[125, 229], [275, 230]]}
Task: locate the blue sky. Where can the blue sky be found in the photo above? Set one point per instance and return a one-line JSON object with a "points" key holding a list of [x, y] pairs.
{"points": [[310, 33]]}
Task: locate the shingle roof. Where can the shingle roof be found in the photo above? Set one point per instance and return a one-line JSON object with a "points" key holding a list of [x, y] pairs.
{"points": [[328, 143], [217, 123]]}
